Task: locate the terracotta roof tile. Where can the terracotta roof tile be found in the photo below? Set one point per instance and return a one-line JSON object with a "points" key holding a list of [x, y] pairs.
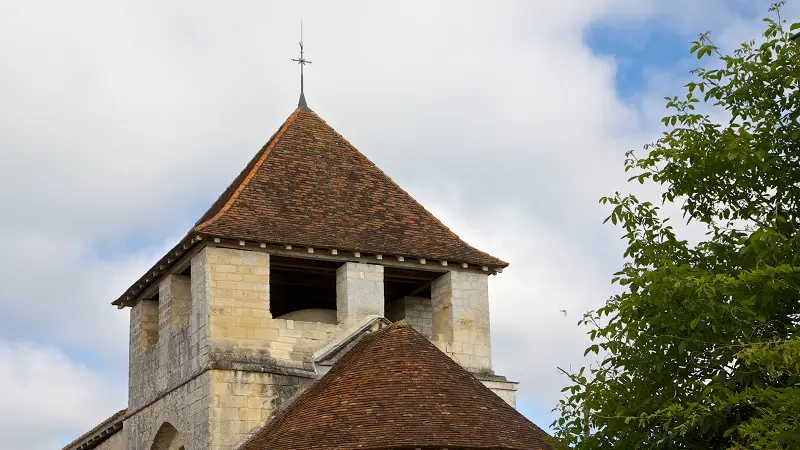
{"points": [[310, 187], [396, 390]]}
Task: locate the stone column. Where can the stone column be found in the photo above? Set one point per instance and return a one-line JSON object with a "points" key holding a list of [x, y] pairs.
{"points": [[174, 297], [359, 291], [461, 319], [143, 360], [148, 323], [174, 306]]}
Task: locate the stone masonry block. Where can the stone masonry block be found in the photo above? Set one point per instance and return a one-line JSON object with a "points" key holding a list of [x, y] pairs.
{"points": [[460, 318], [359, 291]]}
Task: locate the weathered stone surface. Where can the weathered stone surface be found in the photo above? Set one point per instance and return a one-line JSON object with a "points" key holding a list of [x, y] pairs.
{"points": [[221, 364], [417, 311], [359, 291], [187, 408], [507, 390], [115, 442], [210, 360], [460, 304], [174, 294], [240, 401]]}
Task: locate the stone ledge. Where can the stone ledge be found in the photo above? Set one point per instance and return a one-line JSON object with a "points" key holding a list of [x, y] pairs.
{"points": [[507, 390], [341, 343]]}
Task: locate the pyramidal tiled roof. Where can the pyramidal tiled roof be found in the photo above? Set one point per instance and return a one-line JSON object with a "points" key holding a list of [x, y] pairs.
{"points": [[396, 390], [309, 187]]}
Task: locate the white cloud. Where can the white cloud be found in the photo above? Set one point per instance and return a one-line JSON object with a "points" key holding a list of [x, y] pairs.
{"points": [[47, 397], [58, 290], [122, 120]]}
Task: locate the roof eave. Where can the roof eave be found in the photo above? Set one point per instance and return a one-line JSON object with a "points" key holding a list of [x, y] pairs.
{"points": [[194, 237], [100, 433], [159, 269]]}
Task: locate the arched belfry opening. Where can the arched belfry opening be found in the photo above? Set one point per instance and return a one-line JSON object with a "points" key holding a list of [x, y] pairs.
{"points": [[167, 438]]}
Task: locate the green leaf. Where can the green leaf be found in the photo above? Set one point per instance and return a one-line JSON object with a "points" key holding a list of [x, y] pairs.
{"points": [[733, 173]]}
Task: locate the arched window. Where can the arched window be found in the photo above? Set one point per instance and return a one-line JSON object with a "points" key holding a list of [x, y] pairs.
{"points": [[167, 438]]}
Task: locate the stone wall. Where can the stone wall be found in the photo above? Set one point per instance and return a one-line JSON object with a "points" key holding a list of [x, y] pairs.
{"points": [[359, 291], [221, 364], [174, 294], [115, 442], [219, 367], [241, 326], [187, 408], [143, 359], [507, 390], [174, 351], [417, 311], [181, 351], [460, 304], [238, 283], [148, 323], [241, 401], [216, 410]]}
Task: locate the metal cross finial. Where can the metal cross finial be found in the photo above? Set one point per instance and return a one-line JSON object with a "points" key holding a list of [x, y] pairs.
{"points": [[302, 61]]}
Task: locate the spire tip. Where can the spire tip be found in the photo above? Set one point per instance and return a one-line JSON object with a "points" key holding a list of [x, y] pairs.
{"points": [[302, 103], [302, 61]]}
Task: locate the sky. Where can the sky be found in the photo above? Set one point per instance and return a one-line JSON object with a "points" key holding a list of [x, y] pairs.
{"points": [[121, 121]]}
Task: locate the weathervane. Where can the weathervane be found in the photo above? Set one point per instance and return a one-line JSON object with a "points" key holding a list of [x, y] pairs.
{"points": [[302, 61]]}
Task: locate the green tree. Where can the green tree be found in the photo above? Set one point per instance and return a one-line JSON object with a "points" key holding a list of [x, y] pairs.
{"points": [[700, 349]]}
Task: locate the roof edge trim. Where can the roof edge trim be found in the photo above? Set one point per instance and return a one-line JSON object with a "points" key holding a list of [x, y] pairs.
{"points": [[250, 175], [99, 433]]}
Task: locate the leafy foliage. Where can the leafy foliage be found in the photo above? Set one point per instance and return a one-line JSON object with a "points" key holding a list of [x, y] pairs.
{"points": [[700, 349]]}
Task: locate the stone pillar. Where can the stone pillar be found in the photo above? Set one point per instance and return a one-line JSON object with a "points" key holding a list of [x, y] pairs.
{"points": [[174, 297], [461, 319], [143, 361], [174, 306], [238, 283], [359, 291], [148, 323]]}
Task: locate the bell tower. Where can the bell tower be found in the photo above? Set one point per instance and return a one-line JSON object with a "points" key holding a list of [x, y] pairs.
{"points": [[310, 248]]}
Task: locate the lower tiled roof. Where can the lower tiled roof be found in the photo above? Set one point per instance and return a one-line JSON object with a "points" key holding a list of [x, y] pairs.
{"points": [[99, 433], [396, 390]]}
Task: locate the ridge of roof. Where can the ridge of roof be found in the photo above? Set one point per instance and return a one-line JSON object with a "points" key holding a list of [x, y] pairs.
{"points": [[225, 199], [394, 389], [113, 422]]}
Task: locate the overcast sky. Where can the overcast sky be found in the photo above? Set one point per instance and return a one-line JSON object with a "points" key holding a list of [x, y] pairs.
{"points": [[121, 121]]}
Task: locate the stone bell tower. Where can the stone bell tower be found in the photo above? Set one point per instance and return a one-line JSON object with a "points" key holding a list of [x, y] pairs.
{"points": [[310, 248]]}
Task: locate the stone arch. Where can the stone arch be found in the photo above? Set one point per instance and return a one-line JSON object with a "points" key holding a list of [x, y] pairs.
{"points": [[167, 438]]}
